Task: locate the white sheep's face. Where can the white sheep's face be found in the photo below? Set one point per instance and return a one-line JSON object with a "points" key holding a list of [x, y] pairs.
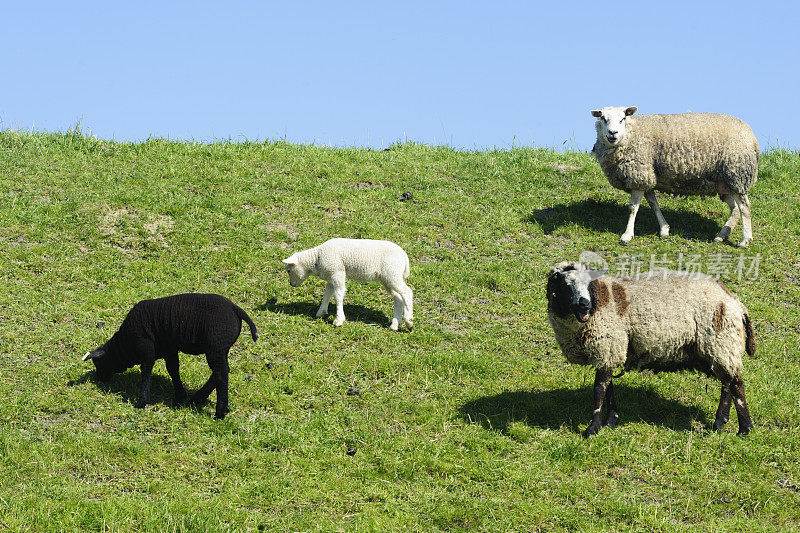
{"points": [[610, 124], [297, 274], [568, 290]]}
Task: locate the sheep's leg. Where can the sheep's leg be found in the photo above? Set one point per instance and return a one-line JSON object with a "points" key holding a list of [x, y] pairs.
{"points": [[743, 203], [201, 395], [397, 316], [724, 409], [172, 367], [403, 304], [602, 381], [408, 301], [326, 300], [611, 407], [218, 362], [220, 369], [633, 206], [663, 227], [339, 288], [733, 219], [144, 387], [147, 354], [742, 412]]}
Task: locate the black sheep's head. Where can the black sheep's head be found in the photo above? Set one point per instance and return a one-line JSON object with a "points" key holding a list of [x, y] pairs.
{"points": [[569, 291], [106, 362]]}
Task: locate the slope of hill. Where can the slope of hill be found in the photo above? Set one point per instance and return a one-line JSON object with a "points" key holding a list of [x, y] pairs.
{"points": [[470, 421]]}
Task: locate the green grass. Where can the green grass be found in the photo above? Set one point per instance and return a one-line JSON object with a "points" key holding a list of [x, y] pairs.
{"points": [[470, 422]]}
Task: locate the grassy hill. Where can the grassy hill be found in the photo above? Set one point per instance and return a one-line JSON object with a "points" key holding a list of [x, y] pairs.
{"points": [[471, 421]]}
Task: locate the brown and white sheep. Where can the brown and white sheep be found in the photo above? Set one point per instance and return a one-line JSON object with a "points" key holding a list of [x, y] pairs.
{"points": [[665, 321]]}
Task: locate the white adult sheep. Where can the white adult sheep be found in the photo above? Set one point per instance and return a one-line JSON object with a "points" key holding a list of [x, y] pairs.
{"points": [[365, 260], [657, 321], [687, 154]]}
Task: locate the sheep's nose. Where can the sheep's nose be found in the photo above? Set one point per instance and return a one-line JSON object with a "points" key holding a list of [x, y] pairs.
{"points": [[584, 303]]}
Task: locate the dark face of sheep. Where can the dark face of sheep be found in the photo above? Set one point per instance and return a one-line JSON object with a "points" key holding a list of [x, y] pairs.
{"points": [[568, 291], [106, 362]]}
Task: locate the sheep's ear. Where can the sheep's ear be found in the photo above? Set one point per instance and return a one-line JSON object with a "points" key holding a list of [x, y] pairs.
{"points": [[94, 354], [289, 261], [630, 111], [559, 269], [565, 266], [597, 113]]}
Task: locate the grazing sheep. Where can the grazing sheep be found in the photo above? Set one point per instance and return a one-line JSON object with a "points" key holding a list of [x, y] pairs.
{"points": [[686, 154], [190, 323], [663, 321], [366, 260]]}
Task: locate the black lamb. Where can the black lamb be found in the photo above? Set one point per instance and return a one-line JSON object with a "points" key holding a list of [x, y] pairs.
{"points": [[190, 323]]}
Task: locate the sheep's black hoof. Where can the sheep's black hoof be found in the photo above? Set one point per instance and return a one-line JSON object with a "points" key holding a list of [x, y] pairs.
{"points": [[591, 430], [611, 420], [744, 431], [220, 415], [718, 425]]}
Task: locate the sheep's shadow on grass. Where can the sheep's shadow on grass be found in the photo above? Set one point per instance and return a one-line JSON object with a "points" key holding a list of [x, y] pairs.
{"points": [[607, 216], [352, 312], [572, 408], [126, 386]]}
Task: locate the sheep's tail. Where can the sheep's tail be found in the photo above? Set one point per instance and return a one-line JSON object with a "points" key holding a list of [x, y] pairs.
{"points": [[750, 340], [244, 316], [407, 270]]}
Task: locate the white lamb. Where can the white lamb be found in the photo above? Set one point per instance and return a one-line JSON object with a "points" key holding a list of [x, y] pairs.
{"points": [[365, 260]]}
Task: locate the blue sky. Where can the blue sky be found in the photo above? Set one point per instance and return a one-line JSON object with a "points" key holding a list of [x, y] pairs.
{"points": [[371, 73]]}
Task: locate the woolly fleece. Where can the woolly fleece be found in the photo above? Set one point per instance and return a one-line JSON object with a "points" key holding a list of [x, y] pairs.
{"points": [[662, 321], [683, 154], [365, 260]]}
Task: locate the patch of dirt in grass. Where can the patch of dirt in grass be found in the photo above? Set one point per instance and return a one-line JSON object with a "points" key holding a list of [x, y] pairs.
{"points": [[448, 316], [789, 484], [291, 233], [331, 212], [111, 220], [161, 223], [368, 185], [20, 241], [121, 227], [158, 226]]}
